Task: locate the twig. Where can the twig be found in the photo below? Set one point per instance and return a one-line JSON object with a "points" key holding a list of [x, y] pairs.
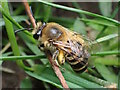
{"points": [[54, 65], [27, 8], [6, 47], [57, 71]]}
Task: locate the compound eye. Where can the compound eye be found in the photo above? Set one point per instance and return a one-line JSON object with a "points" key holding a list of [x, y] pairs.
{"points": [[55, 33], [36, 36], [39, 33]]}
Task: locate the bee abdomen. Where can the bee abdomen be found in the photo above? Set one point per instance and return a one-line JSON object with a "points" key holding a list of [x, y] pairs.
{"points": [[78, 64], [79, 67]]}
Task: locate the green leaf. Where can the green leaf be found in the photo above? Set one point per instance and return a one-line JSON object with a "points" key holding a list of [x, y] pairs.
{"points": [[79, 11], [26, 83], [10, 31], [18, 10], [105, 53], [61, 20], [106, 73], [34, 48], [99, 21], [76, 5], [80, 81], [106, 8], [11, 35], [79, 26], [7, 54], [16, 18], [105, 38], [47, 13], [95, 79], [116, 10], [106, 61], [47, 75], [22, 57], [72, 85]]}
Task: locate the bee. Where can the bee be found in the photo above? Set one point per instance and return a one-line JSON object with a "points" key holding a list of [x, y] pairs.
{"points": [[63, 44]]}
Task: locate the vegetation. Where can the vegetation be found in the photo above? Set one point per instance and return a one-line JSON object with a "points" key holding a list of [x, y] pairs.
{"points": [[104, 48]]}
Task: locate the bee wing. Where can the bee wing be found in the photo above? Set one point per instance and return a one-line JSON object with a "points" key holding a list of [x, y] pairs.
{"points": [[76, 43], [64, 46], [72, 47], [73, 44]]}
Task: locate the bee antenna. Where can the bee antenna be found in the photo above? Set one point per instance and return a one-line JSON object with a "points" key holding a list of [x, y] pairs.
{"points": [[23, 29]]}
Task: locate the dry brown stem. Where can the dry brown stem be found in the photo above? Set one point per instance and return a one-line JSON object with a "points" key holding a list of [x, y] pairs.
{"points": [[27, 8], [57, 71]]}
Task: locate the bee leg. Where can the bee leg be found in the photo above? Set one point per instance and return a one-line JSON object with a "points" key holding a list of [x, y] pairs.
{"points": [[58, 65], [61, 59], [46, 44], [55, 55]]}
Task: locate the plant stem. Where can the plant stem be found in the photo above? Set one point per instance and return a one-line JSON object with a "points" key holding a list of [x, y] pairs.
{"points": [[79, 11], [43, 56], [106, 53], [27, 8], [112, 16], [116, 10], [105, 38], [5, 48], [12, 38], [76, 5], [33, 57], [54, 65], [57, 71], [112, 62], [7, 15], [47, 12], [95, 79], [102, 31]]}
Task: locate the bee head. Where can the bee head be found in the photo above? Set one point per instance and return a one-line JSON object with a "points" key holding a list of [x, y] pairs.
{"points": [[39, 28], [48, 31]]}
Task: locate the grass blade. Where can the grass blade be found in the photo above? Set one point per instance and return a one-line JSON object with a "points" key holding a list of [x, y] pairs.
{"points": [[105, 53], [47, 12], [105, 38], [22, 57], [105, 8], [26, 83], [105, 61], [106, 73], [95, 79], [116, 10], [99, 21], [11, 36], [79, 27], [48, 75], [79, 11]]}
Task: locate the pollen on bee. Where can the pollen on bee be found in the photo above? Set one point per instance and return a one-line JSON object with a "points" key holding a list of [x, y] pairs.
{"points": [[61, 58]]}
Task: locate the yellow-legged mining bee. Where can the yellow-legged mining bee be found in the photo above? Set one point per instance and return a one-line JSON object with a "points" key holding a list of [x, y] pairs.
{"points": [[63, 45]]}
